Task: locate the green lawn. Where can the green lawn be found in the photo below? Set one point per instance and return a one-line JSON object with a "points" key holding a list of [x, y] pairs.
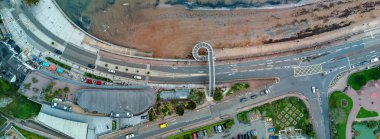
{"points": [[29, 135], [20, 107], [291, 110], [359, 79], [2, 120], [339, 113], [363, 113], [188, 134]]}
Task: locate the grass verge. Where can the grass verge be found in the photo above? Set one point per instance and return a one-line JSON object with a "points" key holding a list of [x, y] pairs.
{"points": [[364, 113], [340, 106], [58, 63], [29, 135]]}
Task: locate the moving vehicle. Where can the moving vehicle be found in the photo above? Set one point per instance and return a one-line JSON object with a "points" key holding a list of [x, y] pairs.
{"points": [[313, 89], [163, 125], [130, 136], [137, 77], [111, 71]]}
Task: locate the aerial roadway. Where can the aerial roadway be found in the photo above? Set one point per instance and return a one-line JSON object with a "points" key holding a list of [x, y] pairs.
{"points": [[297, 74]]}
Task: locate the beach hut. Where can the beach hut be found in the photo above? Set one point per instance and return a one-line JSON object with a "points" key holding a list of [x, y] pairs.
{"points": [[45, 64], [53, 68], [59, 70]]}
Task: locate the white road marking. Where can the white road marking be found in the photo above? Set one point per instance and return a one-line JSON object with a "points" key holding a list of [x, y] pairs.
{"points": [[260, 69], [252, 70], [269, 63], [261, 64], [278, 61]]}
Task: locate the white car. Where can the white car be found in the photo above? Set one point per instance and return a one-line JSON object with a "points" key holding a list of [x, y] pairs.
{"points": [[313, 89], [130, 136], [111, 71], [137, 77]]}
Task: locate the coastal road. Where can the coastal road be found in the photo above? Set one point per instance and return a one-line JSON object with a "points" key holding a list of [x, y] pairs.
{"points": [[331, 59]]}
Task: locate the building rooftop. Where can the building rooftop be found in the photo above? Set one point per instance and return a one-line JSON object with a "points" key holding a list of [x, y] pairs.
{"points": [[176, 94], [74, 129], [122, 103]]}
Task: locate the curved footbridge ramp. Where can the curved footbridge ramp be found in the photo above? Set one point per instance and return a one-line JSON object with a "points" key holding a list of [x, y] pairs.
{"points": [[211, 60], [116, 102]]}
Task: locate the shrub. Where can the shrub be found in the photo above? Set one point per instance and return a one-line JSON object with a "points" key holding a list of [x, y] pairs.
{"points": [[97, 77], [218, 94]]}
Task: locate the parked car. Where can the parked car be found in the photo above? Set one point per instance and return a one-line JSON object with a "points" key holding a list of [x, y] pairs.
{"points": [[313, 89], [98, 82], [90, 66], [253, 96], [111, 71], [163, 125], [130, 136], [89, 81], [243, 99], [137, 77], [58, 52]]}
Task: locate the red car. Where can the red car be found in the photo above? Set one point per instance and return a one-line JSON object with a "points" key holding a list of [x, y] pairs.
{"points": [[98, 82], [89, 81]]}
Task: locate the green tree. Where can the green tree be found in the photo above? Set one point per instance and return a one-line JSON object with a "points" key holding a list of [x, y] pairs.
{"points": [[66, 89], [360, 80], [27, 86], [180, 110], [218, 94], [191, 105], [34, 80]]}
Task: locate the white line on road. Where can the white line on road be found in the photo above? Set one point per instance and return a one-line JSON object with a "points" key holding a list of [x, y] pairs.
{"points": [[260, 69], [278, 61]]}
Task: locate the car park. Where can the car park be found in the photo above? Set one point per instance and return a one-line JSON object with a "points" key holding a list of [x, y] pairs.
{"points": [[130, 136], [111, 71]]}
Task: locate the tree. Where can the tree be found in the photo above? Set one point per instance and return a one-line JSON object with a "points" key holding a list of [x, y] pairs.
{"points": [[191, 105], [179, 110], [218, 94], [360, 80], [66, 89], [34, 80], [106, 65], [116, 67], [27, 86], [169, 106]]}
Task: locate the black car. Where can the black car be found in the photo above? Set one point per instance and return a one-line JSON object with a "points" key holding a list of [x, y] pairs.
{"points": [[58, 52], [90, 66], [253, 96], [243, 99]]}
